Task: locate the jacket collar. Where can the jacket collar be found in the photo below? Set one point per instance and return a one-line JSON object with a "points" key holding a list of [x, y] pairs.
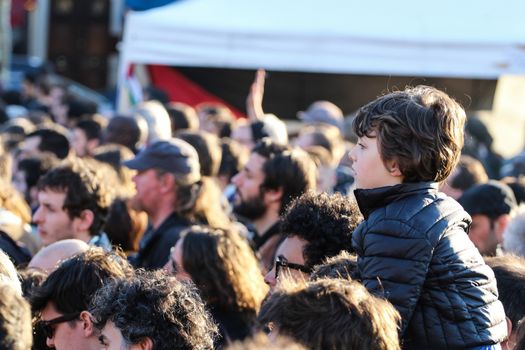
{"points": [[370, 199]]}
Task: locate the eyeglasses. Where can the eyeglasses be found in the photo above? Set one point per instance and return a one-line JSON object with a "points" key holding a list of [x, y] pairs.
{"points": [[47, 326], [281, 262]]}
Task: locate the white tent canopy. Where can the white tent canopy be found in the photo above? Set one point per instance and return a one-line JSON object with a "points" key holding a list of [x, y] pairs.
{"points": [[469, 39]]}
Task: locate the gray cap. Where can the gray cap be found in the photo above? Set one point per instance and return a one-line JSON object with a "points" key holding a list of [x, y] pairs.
{"points": [[322, 112], [174, 156]]}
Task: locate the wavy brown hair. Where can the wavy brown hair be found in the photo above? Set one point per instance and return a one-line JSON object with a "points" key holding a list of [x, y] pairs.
{"points": [[420, 128], [224, 268], [201, 203], [332, 314]]}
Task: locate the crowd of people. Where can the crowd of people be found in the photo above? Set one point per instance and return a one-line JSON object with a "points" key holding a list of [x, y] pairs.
{"points": [[182, 227]]}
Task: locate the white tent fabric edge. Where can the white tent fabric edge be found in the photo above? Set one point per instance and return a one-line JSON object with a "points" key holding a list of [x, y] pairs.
{"points": [[477, 40]]}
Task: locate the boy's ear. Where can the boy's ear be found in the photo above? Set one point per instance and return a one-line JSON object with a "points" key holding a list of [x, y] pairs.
{"points": [[393, 168]]}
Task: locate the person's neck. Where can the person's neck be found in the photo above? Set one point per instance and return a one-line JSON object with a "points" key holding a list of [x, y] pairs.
{"points": [[266, 221], [160, 216], [84, 236]]}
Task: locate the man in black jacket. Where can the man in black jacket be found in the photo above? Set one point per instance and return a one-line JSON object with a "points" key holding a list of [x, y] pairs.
{"points": [[167, 183]]}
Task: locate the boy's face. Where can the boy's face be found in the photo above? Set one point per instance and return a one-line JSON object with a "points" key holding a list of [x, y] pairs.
{"points": [[368, 167]]}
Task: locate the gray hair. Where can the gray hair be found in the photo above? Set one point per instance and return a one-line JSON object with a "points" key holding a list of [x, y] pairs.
{"points": [[514, 234]]}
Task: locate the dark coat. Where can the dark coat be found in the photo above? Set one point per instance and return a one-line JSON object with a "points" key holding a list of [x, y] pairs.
{"points": [[154, 248], [413, 248]]}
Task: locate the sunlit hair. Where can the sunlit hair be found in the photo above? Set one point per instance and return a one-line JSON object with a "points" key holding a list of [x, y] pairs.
{"points": [[420, 128], [514, 234], [14, 202], [201, 203], [332, 314], [343, 265], [15, 320], [261, 341], [224, 268], [8, 274]]}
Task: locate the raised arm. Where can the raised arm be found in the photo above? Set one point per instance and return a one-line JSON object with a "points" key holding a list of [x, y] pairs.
{"points": [[255, 97]]}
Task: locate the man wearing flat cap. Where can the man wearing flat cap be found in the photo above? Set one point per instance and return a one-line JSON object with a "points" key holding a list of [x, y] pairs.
{"points": [[167, 180], [491, 206]]}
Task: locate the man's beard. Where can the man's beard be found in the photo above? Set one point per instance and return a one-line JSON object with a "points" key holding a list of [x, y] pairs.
{"points": [[252, 208]]}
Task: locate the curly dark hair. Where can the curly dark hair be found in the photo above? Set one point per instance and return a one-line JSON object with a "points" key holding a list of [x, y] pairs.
{"points": [[420, 128], [84, 187], [325, 221], [224, 268], [155, 306]]}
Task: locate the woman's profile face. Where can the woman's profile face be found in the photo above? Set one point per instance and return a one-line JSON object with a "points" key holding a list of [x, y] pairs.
{"points": [[174, 265]]}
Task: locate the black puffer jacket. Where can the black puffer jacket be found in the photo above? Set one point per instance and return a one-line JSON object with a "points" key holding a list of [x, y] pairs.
{"points": [[414, 250]]}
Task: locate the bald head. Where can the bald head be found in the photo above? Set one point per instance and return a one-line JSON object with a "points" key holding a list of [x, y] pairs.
{"points": [[48, 258]]}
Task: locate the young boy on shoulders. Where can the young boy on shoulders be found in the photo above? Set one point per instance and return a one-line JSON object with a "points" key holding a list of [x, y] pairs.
{"points": [[413, 246]]}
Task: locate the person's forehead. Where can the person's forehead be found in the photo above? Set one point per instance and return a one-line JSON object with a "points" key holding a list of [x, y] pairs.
{"points": [[255, 163], [50, 195], [480, 218], [31, 142], [150, 173], [291, 248], [49, 312], [369, 138]]}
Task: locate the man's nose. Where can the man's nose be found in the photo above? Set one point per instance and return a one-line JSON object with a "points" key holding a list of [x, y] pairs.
{"points": [[269, 278], [37, 216]]}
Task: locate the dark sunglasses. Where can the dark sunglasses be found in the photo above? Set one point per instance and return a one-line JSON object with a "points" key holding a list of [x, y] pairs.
{"points": [[48, 328], [281, 262]]}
